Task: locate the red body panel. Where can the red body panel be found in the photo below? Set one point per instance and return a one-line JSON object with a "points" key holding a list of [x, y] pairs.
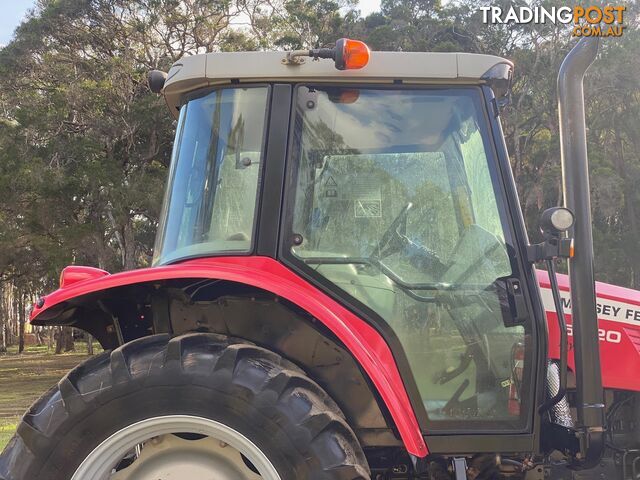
{"points": [[75, 273], [362, 340], [619, 325]]}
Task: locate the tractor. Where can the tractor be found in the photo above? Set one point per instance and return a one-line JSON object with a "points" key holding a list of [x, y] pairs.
{"points": [[343, 288]]}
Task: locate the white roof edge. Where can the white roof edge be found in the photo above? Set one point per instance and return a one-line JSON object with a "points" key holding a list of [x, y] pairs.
{"points": [[199, 71]]}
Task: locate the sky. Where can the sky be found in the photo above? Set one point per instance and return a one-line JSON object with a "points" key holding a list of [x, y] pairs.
{"points": [[13, 11], [368, 6]]}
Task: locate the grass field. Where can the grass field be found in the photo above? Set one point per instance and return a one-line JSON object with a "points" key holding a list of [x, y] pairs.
{"points": [[24, 378]]}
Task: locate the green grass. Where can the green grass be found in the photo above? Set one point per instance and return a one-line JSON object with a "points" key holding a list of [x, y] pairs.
{"points": [[7, 428], [24, 378], [80, 348]]}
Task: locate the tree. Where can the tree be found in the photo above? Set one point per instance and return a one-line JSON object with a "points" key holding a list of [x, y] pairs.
{"points": [[84, 146]]}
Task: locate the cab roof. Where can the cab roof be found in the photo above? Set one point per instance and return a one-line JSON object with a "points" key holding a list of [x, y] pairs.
{"points": [[211, 69]]}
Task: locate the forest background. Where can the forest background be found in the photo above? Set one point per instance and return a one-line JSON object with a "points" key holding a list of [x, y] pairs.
{"points": [[85, 147]]}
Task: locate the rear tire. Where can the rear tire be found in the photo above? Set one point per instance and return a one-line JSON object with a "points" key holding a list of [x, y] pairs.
{"points": [[251, 390]]}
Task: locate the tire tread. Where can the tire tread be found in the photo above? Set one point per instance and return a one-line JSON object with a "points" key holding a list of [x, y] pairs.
{"points": [[271, 383]]}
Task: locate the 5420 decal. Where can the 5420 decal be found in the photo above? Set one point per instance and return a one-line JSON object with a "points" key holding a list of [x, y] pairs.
{"points": [[610, 336]]}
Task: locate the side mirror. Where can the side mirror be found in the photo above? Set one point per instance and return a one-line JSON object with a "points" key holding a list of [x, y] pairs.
{"points": [[554, 222], [156, 80]]}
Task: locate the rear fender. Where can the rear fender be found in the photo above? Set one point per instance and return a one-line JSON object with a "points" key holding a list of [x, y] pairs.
{"points": [[72, 306]]}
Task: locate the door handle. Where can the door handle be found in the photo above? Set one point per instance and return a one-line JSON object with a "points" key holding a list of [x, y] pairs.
{"points": [[517, 303]]}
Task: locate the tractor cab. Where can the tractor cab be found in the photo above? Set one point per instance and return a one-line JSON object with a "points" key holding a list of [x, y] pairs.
{"points": [[342, 286], [393, 202]]}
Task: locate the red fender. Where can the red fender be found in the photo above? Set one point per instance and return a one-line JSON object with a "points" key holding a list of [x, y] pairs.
{"points": [[361, 339]]}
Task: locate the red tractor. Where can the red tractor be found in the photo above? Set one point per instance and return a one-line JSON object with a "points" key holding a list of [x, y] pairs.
{"points": [[343, 288]]}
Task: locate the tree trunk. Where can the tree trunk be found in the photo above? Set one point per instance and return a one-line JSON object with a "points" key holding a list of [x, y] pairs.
{"points": [[64, 340], [58, 338], [51, 333], [69, 346], [5, 335], [129, 242], [89, 339], [15, 313], [3, 321], [40, 336], [21, 321]]}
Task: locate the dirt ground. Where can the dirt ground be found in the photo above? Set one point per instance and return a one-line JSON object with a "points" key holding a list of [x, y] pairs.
{"points": [[24, 378]]}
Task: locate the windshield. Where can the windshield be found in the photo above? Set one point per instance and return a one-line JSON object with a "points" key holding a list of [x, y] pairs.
{"points": [[213, 182], [396, 205]]}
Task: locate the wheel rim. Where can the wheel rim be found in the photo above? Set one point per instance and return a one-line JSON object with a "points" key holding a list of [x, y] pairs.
{"points": [[155, 452]]}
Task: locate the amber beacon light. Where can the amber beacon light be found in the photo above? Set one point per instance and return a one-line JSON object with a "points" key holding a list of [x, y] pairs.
{"points": [[347, 54], [351, 54]]}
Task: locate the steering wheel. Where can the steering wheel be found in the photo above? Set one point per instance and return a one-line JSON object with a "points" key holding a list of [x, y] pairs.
{"points": [[392, 240]]}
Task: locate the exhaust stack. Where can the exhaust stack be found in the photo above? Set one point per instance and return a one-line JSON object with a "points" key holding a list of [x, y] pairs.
{"points": [[575, 175]]}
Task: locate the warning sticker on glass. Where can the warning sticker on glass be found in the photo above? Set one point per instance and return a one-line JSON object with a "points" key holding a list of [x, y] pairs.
{"points": [[331, 188], [367, 208]]}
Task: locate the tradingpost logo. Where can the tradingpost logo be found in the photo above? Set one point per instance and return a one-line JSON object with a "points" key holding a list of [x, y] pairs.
{"points": [[590, 21]]}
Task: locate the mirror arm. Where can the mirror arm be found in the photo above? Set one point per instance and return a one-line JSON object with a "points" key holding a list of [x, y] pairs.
{"points": [[564, 345], [556, 245], [553, 247]]}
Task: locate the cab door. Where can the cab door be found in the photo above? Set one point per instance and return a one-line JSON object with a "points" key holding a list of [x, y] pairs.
{"points": [[394, 205]]}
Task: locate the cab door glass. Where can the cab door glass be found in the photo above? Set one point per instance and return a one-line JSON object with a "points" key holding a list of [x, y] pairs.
{"points": [[396, 206]]}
